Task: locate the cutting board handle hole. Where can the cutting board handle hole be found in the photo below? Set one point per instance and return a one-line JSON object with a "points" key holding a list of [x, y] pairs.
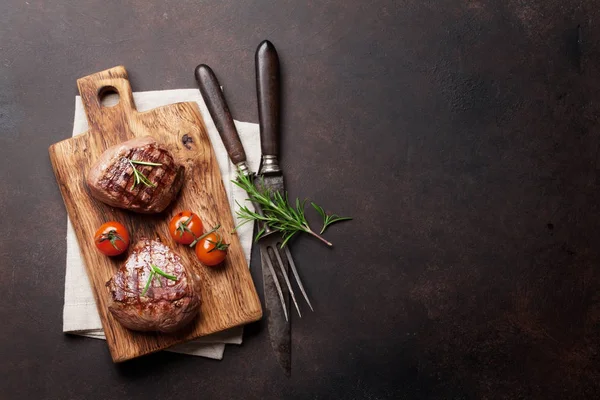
{"points": [[109, 96]]}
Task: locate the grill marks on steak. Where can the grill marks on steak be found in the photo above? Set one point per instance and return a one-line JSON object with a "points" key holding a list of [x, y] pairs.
{"points": [[111, 179], [167, 305], [120, 177]]}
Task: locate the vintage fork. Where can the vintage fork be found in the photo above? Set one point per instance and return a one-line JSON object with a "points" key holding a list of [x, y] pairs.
{"points": [[270, 174], [271, 244]]}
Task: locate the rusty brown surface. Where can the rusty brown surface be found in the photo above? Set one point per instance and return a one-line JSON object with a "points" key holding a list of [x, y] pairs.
{"points": [[461, 135]]}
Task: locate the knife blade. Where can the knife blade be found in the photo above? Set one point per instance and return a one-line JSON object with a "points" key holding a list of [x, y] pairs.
{"points": [[271, 178], [275, 294]]}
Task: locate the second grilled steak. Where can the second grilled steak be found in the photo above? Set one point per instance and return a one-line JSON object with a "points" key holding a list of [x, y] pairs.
{"points": [[143, 301], [112, 179]]}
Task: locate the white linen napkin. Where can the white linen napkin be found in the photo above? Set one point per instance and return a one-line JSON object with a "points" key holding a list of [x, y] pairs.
{"points": [[80, 316]]}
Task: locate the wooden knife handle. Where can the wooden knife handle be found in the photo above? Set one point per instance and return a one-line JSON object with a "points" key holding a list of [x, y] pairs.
{"points": [[267, 90], [217, 107]]}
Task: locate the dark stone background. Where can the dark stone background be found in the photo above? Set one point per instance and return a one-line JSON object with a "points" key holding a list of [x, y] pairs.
{"points": [[461, 135]]}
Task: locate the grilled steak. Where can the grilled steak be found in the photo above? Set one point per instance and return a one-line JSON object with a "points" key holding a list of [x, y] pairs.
{"points": [[112, 179], [167, 305]]}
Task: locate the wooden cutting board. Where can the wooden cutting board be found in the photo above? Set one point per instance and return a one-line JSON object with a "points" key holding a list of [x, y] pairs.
{"points": [[227, 293]]}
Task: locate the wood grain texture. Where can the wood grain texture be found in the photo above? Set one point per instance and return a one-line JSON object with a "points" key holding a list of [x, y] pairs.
{"points": [[228, 295]]}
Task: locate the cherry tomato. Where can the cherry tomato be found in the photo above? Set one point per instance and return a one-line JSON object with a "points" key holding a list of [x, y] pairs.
{"points": [[185, 227], [112, 238], [211, 250]]}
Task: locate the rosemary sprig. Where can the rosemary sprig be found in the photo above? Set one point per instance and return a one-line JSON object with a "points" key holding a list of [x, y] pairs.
{"points": [[138, 177], [151, 164], [277, 212], [160, 272], [154, 271], [328, 219], [148, 283]]}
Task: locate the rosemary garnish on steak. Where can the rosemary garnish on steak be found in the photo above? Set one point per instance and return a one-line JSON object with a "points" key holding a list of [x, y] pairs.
{"points": [[138, 177], [154, 271]]}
